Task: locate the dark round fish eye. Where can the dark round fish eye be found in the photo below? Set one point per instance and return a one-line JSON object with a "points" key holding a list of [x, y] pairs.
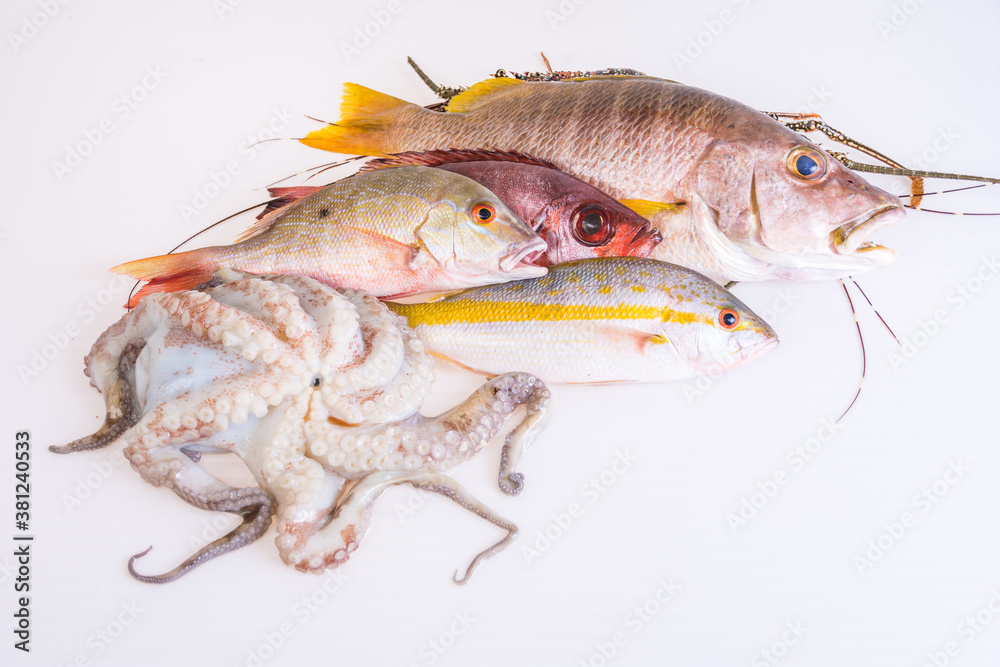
{"points": [[483, 213], [729, 319], [806, 166], [593, 226], [316, 381], [806, 163]]}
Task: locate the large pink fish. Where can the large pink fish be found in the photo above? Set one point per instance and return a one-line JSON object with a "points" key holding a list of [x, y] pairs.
{"points": [[735, 194]]}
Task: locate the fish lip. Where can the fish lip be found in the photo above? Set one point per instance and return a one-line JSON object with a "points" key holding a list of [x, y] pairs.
{"points": [[760, 349], [851, 238], [524, 258], [643, 241]]}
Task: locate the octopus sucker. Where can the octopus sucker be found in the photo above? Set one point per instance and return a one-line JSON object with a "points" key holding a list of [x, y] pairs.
{"points": [[317, 390]]}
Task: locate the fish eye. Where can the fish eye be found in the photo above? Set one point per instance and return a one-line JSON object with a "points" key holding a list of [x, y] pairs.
{"points": [[806, 163], [483, 213], [729, 319], [592, 226], [316, 381]]}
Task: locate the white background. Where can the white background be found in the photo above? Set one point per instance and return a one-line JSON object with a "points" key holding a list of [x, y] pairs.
{"points": [[696, 456]]}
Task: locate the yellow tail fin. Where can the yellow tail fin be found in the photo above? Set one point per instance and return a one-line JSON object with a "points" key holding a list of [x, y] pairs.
{"points": [[359, 130]]}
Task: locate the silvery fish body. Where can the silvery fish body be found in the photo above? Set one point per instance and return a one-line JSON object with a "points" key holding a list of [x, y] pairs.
{"points": [[610, 319]]}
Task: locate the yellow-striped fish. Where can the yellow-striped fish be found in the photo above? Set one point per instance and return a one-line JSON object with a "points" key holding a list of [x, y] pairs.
{"points": [[607, 319]]}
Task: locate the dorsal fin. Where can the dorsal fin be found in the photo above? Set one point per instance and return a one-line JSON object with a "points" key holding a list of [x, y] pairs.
{"points": [[285, 196], [449, 156], [474, 95], [599, 77]]}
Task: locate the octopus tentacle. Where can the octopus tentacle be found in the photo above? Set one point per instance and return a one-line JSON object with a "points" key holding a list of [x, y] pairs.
{"points": [[387, 378], [454, 491], [532, 393], [329, 539], [119, 398], [437, 443], [255, 506]]}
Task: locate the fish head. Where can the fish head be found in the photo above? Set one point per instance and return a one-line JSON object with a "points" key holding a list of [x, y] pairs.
{"points": [[712, 329], [478, 240], [582, 222], [786, 202]]}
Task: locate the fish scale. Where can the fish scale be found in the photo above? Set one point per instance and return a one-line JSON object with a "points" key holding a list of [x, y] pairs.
{"points": [[609, 319]]}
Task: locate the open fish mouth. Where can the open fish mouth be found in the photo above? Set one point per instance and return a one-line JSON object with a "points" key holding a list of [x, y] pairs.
{"points": [[523, 261], [851, 238], [643, 241]]}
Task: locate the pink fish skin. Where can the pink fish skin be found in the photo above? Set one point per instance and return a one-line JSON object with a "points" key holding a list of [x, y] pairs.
{"points": [[577, 220], [390, 232]]}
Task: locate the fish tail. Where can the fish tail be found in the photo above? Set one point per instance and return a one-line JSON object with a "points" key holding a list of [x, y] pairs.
{"points": [[365, 115], [169, 273]]}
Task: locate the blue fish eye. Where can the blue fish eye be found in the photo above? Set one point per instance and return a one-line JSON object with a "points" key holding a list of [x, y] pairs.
{"points": [[806, 166], [806, 163]]}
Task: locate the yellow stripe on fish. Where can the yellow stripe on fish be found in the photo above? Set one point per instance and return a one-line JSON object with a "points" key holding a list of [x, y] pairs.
{"points": [[470, 311], [610, 319]]}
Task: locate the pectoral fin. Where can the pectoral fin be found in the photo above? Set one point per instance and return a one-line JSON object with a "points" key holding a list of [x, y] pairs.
{"points": [[648, 209]]}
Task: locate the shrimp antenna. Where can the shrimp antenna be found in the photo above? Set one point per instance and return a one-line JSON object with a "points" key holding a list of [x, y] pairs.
{"points": [[911, 173], [444, 92], [944, 192], [546, 61], [864, 356], [321, 168], [877, 314]]}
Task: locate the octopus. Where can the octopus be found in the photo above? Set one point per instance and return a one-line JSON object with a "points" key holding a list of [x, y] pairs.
{"points": [[316, 390]]}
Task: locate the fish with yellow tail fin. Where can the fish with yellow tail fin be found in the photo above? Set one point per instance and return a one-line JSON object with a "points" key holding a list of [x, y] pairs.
{"points": [[735, 194], [608, 319], [390, 232]]}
